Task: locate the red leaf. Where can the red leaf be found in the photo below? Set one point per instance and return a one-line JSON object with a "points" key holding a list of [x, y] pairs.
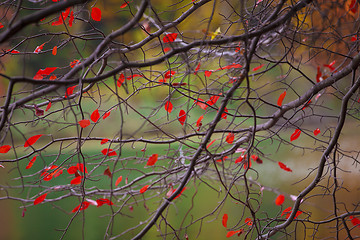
{"points": [[167, 49], [103, 141], [355, 221], [43, 73], [169, 74], [257, 68], [102, 201], [54, 51], [248, 221], [170, 37], [287, 210], [182, 117], [208, 73], [106, 114], [224, 114], [69, 91], [95, 116], [231, 233], [81, 207], [230, 138], [152, 160], [353, 39], [84, 123], [201, 103], [197, 68], [96, 14], [72, 169], [57, 22], [198, 122], [108, 152], [81, 167], [284, 167], [5, 148], [316, 131], [71, 19], [234, 65], [210, 143], [318, 74], [76, 180], [330, 66], [123, 5], [280, 200], [306, 104], [281, 98], [144, 189], [74, 63], [107, 172], [39, 48], [295, 135], [256, 159], [40, 199], [30, 164], [224, 220], [213, 100], [121, 80], [168, 106], [48, 107], [32, 140], [118, 180], [179, 193], [1, 25]]}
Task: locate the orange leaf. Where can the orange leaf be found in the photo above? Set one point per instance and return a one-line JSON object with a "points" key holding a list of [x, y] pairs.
{"points": [[281, 98], [32, 140], [107, 172], [103, 141], [295, 135], [31, 162], [96, 14], [152, 160], [48, 107], [257, 68], [316, 131], [170, 37], [144, 189], [224, 220], [280, 200], [5, 148], [84, 123], [76, 180], [54, 51], [118, 180], [182, 117], [40, 199], [95, 116], [230, 138], [108, 152], [284, 167], [248, 221], [168, 106]]}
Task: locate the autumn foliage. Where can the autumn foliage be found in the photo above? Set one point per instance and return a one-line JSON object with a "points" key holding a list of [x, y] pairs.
{"points": [[182, 119]]}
